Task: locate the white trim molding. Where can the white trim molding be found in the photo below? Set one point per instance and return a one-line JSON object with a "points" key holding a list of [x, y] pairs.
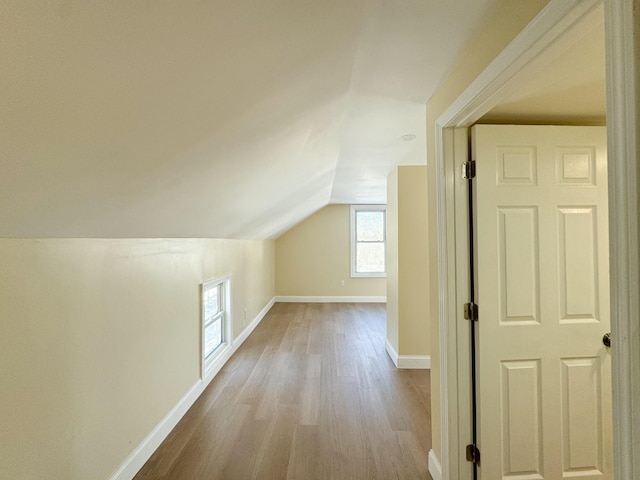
{"points": [[136, 459], [392, 353], [434, 466], [414, 362], [225, 284], [622, 32], [254, 323], [139, 456], [408, 362], [510, 66], [354, 210], [487, 90], [330, 299]]}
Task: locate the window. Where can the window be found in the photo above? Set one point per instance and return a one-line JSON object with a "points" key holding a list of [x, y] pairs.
{"points": [[216, 320], [368, 226]]}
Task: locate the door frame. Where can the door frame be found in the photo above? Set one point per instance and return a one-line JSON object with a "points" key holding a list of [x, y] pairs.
{"points": [[623, 109]]}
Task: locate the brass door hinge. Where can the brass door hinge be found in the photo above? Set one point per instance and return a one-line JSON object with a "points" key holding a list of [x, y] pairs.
{"points": [[469, 170], [473, 454], [471, 311]]}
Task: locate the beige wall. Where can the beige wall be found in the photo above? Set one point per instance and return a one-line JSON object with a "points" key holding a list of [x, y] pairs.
{"points": [[508, 20], [413, 259], [407, 247], [101, 338], [392, 260], [314, 256]]}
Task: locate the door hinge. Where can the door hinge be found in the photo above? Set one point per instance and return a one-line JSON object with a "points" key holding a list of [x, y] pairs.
{"points": [[469, 169], [473, 454], [471, 311]]}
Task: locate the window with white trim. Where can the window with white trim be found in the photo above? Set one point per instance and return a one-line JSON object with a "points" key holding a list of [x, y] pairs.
{"points": [[216, 320], [368, 236]]}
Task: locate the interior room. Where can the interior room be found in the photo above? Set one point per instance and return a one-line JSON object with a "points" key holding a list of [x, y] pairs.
{"points": [[234, 238]]}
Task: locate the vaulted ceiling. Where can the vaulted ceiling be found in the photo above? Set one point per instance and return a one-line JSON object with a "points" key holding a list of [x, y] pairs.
{"points": [[232, 119]]}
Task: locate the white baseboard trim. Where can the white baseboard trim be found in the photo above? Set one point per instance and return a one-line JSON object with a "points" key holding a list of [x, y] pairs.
{"points": [[408, 361], [139, 456], [334, 299], [226, 355], [414, 361], [392, 353], [136, 459], [434, 466], [254, 323]]}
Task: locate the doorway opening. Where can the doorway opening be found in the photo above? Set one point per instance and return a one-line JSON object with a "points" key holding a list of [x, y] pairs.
{"points": [[507, 70]]}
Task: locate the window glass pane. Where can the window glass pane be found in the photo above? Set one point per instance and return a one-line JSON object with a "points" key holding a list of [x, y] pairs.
{"points": [[370, 258], [369, 226], [211, 302], [212, 337]]}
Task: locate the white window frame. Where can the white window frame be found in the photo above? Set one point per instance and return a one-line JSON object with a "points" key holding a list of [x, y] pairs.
{"points": [[367, 208], [208, 363]]}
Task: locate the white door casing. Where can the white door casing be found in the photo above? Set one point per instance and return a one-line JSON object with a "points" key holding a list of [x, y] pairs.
{"points": [[487, 90], [623, 107], [544, 374]]}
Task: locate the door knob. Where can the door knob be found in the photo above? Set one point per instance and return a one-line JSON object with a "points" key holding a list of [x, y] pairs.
{"points": [[606, 339]]}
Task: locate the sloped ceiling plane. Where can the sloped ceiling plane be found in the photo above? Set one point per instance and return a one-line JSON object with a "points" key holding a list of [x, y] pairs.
{"points": [[222, 119]]}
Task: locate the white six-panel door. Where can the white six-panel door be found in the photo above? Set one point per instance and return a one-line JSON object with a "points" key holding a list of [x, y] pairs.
{"points": [[543, 295]]}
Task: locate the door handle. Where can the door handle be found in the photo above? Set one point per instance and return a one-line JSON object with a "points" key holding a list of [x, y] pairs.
{"points": [[606, 339]]}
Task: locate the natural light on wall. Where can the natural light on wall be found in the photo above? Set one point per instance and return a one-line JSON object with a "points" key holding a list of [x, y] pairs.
{"points": [[368, 235]]}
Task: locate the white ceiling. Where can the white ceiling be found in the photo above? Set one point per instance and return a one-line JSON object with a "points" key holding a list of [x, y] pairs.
{"points": [[220, 118]]}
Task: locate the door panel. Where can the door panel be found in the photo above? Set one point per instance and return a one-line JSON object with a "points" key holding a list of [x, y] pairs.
{"points": [[518, 256], [521, 418], [582, 416], [578, 261], [542, 291]]}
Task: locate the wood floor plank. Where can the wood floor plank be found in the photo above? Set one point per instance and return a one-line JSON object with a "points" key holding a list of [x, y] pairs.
{"points": [[312, 394], [305, 461], [273, 459]]}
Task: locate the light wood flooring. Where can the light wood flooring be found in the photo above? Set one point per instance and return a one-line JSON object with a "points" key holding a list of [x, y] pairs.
{"points": [[312, 394]]}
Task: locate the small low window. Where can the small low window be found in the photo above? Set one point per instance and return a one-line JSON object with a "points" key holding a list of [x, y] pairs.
{"points": [[368, 236], [216, 319], [213, 319]]}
